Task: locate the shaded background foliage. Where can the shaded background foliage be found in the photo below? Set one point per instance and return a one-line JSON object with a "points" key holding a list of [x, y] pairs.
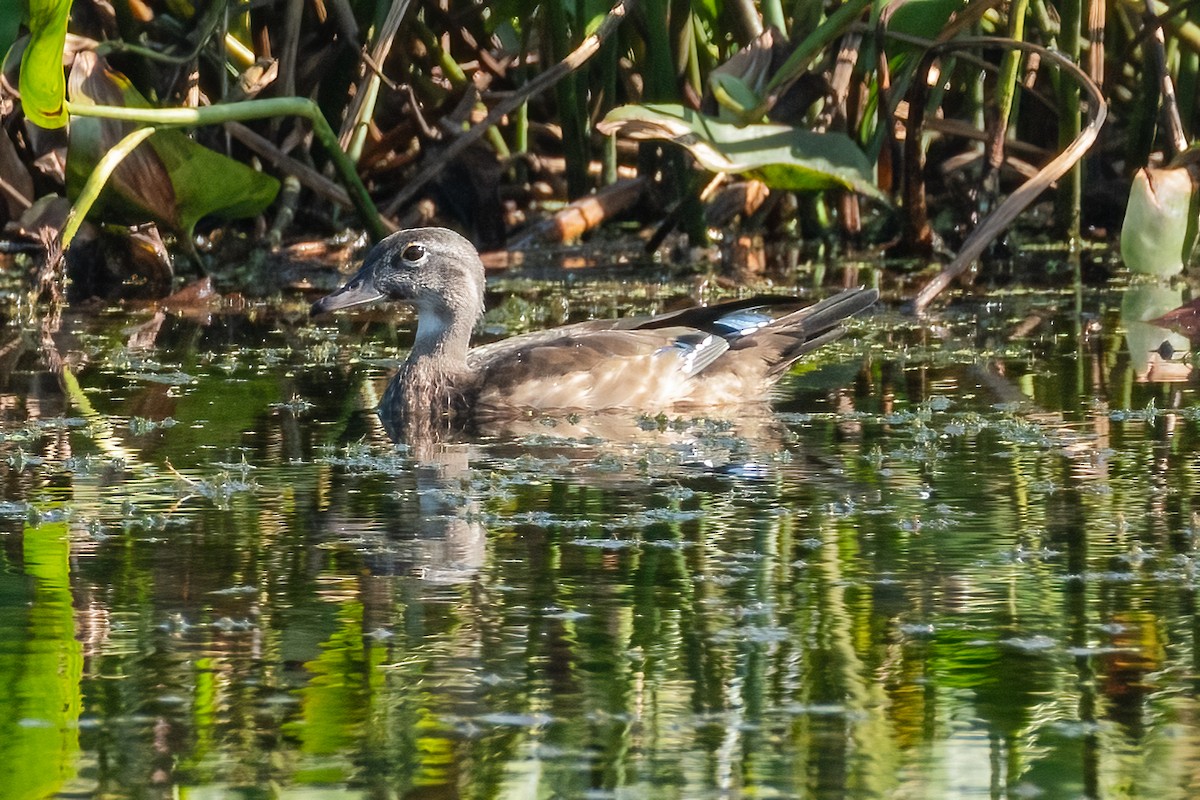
{"points": [[404, 83]]}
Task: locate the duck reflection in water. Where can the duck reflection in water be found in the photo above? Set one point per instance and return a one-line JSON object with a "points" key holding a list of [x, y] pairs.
{"points": [[427, 526], [699, 360]]}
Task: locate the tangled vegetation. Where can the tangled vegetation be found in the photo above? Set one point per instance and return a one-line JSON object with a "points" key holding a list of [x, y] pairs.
{"points": [[920, 128]]}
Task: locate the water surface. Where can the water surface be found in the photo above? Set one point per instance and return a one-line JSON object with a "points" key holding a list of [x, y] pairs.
{"points": [[957, 560]]}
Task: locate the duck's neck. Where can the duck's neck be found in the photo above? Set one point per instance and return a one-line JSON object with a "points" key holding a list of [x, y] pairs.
{"points": [[426, 395], [443, 339]]}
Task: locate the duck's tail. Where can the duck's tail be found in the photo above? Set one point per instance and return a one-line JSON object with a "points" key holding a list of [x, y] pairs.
{"points": [[788, 338]]}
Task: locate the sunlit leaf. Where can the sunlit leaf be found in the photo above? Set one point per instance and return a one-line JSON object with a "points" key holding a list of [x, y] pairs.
{"points": [[738, 85], [1159, 230], [732, 93], [170, 178], [780, 156], [42, 84]]}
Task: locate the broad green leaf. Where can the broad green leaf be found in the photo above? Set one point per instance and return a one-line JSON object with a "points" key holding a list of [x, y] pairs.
{"points": [[922, 18], [170, 178], [42, 84], [739, 85], [781, 156], [1159, 230]]}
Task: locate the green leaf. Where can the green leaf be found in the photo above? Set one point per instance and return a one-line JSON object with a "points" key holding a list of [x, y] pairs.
{"points": [[1159, 230], [922, 18], [707, 10], [732, 93], [41, 83], [170, 178], [781, 156]]}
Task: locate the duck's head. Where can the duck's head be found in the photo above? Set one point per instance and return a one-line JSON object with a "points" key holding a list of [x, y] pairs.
{"points": [[433, 269]]}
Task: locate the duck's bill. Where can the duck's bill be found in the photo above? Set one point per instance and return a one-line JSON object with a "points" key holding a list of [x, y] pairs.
{"points": [[358, 290]]}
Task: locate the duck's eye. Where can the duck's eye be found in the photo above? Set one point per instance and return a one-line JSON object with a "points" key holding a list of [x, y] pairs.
{"points": [[414, 253]]}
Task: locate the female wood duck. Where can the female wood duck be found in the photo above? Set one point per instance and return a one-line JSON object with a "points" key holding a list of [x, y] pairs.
{"points": [[698, 358]]}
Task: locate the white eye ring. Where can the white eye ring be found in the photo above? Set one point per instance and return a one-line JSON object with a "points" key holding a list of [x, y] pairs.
{"points": [[414, 254]]}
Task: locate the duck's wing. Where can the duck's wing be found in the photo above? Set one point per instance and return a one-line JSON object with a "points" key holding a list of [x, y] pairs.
{"points": [[727, 353], [728, 320], [722, 318], [589, 369]]}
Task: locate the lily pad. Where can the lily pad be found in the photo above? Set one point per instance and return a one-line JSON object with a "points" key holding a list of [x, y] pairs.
{"points": [[781, 156]]}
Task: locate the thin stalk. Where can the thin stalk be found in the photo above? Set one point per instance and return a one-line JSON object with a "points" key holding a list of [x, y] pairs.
{"points": [[693, 55], [241, 56], [99, 177], [1141, 124], [205, 28], [917, 233], [521, 113], [1185, 31], [1156, 45], [496, 138], [815, 43], [234, 64], [358, 135], [1188, 82], [572, 111], [1097, 22], [772, 11], [1070, 187], [521, 128], [660, 72], [454, 73], [254, 109], [1046, 23], [290, 47], [289, 198], [1010, 67], [362, 107], [608, 74]]}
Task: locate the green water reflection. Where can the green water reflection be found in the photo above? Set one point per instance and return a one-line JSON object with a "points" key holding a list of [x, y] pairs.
{"points": [[956, 563]]}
